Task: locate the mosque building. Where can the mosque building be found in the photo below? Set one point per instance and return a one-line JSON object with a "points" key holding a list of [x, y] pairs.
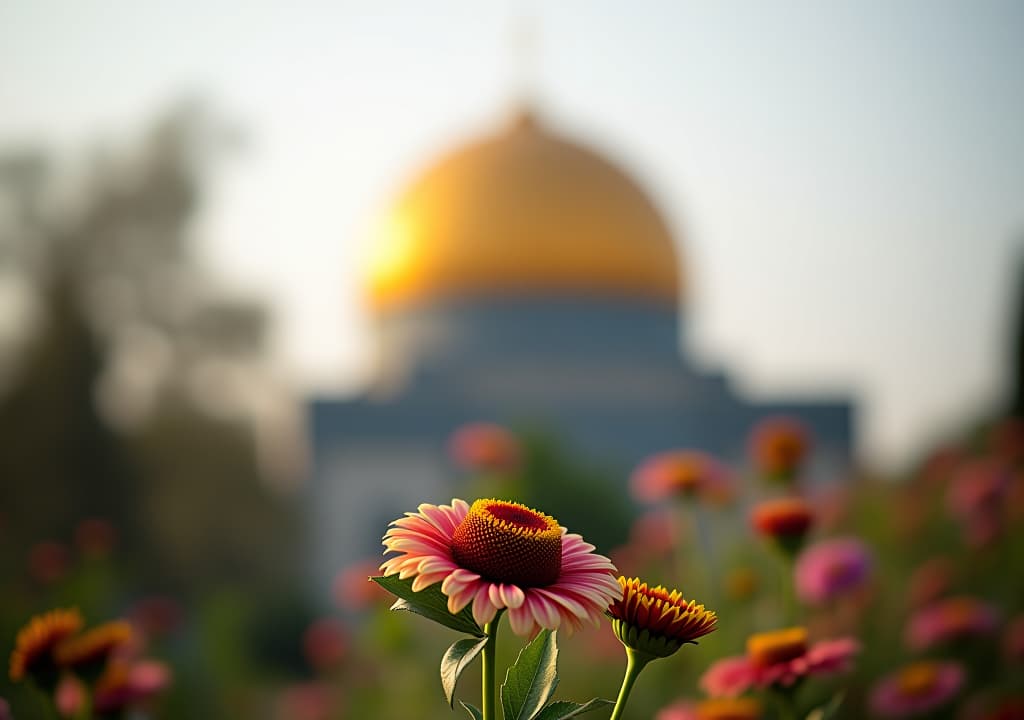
{"points": [[527, 280]]}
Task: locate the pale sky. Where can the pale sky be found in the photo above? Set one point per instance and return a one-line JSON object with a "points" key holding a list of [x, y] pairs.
{"points": [[849, 175]]}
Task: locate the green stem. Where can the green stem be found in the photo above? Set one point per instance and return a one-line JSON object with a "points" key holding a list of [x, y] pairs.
{"points": [[635, 662], [707, 551], [488, 657], [786, 705], [789, 608]]}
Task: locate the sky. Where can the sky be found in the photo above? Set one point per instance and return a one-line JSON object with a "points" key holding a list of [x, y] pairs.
{"points": [[845, 180]]}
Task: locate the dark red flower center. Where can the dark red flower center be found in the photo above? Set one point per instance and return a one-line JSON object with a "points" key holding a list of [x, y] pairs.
{"points": [[509, 543]]}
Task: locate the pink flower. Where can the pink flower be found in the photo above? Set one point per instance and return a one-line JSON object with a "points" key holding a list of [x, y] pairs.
{"points": [[352, 588], [306, 701], [485, 447], [679, 710], [679, 473], [831, 569], [125, 685], [916, 689], [69, 697], [977, 487], [500, 555], [778, 658], [714, 709], [954, 618], [148, 677], [325, 643]]}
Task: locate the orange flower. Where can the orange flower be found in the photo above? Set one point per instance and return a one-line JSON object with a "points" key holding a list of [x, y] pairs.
{"points": [[656, 621], [729, 709], [36, 641], [778, 446], [769, 648], [785, 520], [93, 647]]}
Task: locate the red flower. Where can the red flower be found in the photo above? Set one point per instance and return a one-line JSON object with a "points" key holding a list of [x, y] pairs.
{"points": [[778, 658]]}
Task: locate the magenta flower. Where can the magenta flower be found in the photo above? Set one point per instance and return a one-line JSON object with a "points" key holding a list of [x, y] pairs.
{"points": [[916, 689], [831, 569], [499, 555], [955, 618], [778, 658]]}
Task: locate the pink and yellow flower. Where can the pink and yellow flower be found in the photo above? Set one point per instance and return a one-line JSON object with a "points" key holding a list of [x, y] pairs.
{"points": [[657, 621], [779, 658], [951, 619], [497, 555], [680, 473], [713, 709], [916, 689]]}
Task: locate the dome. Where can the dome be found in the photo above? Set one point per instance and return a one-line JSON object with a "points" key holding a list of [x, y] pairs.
{"points": [[523, 212]]}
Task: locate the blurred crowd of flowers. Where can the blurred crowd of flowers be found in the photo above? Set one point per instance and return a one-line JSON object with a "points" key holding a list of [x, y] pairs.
{"points": [[844, 597]]}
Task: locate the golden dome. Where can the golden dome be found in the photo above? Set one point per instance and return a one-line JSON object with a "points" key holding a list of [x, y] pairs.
{"points": [[523, 212]]}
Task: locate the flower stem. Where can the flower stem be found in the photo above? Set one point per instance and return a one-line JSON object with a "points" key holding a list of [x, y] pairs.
{"points": [[703, 529], [787, 706], [488, 658], [635, 662]]}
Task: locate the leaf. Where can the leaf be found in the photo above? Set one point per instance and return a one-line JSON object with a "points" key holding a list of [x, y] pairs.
{"points": [[455, 660], [563, 709], [530, 682], [829, 709], [472, 710], [430, 602]]}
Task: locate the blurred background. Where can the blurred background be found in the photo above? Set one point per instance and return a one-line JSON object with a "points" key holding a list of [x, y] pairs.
{"points": [[258, 264]]}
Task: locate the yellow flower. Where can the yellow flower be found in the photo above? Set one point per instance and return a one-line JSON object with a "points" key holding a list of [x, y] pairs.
{"points": [[33, 648], [769, 648], [657, 621], [94, 646]]}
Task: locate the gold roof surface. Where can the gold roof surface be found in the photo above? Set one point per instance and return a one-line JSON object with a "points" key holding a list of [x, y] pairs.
{"points": [[522, 212]]}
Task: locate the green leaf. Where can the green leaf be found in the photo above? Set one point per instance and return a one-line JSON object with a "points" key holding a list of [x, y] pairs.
{"points": [[829, 709], [531, 681], [430, 602], [564, 709], [473, 711], [455, 660]]}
